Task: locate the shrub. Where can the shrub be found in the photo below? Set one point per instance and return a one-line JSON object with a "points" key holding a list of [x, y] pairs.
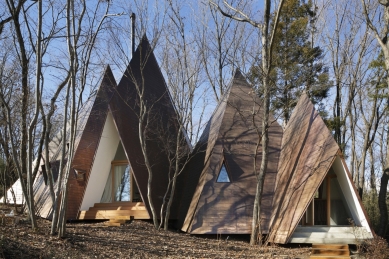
{"points": [[376, 248]]}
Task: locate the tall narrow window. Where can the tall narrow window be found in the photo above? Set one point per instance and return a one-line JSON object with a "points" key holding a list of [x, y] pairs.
{"points": [[223, 175], [120, 185]]}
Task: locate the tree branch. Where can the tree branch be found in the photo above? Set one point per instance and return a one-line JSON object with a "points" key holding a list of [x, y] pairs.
{"points": [[236, 18]]}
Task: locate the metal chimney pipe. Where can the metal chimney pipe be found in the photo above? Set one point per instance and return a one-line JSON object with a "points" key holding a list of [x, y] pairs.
{"points": [[132, 34]]}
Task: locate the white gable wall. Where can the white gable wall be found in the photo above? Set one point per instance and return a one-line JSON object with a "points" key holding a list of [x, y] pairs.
{"points": [[17, 189], [350, 195], [102, 164]]}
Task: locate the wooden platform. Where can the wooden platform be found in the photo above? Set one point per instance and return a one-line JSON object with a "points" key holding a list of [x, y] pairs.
{"points": [[116, 210], [329, 235], [330, 251]]}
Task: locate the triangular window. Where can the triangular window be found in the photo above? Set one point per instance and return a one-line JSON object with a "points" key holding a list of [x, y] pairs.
{"points": [[223, 175]]}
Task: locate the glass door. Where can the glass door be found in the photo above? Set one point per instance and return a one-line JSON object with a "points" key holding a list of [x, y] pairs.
{"points": [[121, 182]]}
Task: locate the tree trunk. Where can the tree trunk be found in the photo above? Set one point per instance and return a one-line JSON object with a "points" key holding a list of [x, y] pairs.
{"points": [[170, 201], [385, 176], [382, 203], [142, 127], [266, 63]]}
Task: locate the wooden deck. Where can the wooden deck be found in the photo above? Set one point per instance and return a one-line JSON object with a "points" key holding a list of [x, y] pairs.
{"points": [[114, 210], [330, 251], [329, 235]]}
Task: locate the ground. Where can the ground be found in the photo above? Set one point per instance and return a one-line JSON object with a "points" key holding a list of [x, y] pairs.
{"points": [[135, 239]]}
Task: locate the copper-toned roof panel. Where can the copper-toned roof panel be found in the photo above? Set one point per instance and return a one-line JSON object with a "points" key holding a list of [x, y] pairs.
{"points": [[88, 143], [307, 152], [89, 127]]}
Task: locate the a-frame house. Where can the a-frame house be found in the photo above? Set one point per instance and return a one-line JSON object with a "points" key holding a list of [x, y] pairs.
{"points": [[90, 124], [92, 133], [308, 195], [120, 189], [219, 196], [315, 198], [108, 172]]}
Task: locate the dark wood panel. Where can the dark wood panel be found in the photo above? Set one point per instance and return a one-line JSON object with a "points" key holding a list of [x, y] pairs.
{"points": [[88, 143], [143, 73], [235, 145]]}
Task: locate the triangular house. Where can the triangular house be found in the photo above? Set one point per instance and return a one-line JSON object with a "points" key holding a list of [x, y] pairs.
{"points": [[117, 184], [109, 176], [143, 79], [228, 146], [308, 192], [314, 196], [89, 129], [92, 131]]}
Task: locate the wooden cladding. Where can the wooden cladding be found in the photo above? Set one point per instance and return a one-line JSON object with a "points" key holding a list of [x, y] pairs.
{"points": [[143, 75], [307, 153], [227, 207], [80, 175], [88, 143]]}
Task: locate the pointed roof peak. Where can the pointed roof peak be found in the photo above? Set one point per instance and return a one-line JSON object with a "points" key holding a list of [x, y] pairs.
{"points": [[144, 41], [144, 37], [240, 84], [144, 48], [107, 68], [108, 77], [304, 94], [238, 73], [304, 101]]}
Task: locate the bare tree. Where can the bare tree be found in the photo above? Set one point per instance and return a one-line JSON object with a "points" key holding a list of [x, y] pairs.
{"points": [[225, 45], [183, 69], [267, 36], [79, 59], [371, 119], [380, 30], [350, 49], [144, 108], [37, 28], [23, 163]]}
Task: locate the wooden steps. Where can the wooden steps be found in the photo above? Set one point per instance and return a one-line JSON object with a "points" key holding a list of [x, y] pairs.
{"points": [[116, 211], [118, 204], [330, 251], [116, 222], [112, 224]]}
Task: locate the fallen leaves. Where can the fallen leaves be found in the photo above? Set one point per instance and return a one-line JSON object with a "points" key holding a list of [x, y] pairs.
{"points": [[136, 239]]}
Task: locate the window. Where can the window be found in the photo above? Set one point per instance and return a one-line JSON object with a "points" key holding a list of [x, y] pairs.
{"points": [[120, 184], [223, 175]]}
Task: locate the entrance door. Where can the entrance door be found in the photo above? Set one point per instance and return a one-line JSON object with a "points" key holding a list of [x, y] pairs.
{"points": [[328, 207]]}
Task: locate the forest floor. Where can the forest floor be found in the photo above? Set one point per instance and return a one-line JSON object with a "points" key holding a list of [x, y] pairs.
{"points": [[135, 239]]}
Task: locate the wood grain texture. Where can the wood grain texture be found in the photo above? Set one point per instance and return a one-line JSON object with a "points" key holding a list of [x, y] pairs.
{"points": [[144, 74], [90, 125], [227, 208], [88, 144], [308, 151]]}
